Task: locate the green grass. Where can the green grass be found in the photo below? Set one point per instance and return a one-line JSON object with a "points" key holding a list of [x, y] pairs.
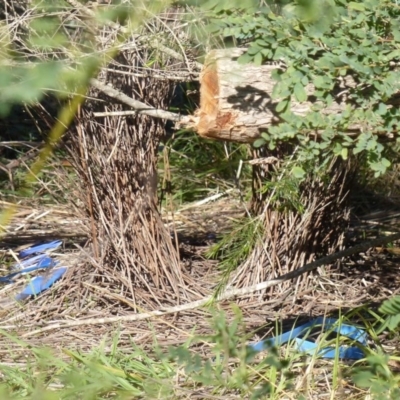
{"points": [[235, 247], [190, 168], [219, 365]]}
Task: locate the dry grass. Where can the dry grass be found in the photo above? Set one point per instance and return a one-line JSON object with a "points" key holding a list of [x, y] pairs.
{"points": [[307, 228], [368, 278], [80, 297]]}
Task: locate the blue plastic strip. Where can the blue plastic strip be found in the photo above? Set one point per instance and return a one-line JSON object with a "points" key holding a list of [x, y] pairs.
{"points": [[311, 348], [40, 283], [6, 279], [28, 262], [44, 262], [40, 248], [41, 262]]}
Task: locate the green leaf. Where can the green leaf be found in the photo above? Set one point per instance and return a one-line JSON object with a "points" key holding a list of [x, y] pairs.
{"points": [[385, 162], [245, 58], [319, 81], [282, 105], [300, 92], [276, 75], [262, 43], [265, 136], [271, 145], [253, 50], [259, 143], [258, 59], [382, 109], [304, 80], [396, 34], [280, 90], [357, 6], [298, 172], [393, 55]]}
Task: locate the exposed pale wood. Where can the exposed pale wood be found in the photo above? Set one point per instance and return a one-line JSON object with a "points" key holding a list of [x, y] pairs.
{"points": [[236, 103]]}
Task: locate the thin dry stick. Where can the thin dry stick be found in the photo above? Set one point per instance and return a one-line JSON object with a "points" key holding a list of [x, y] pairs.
{"points": [[155, 43], [224, 295], [138, 106], [180, 76]]}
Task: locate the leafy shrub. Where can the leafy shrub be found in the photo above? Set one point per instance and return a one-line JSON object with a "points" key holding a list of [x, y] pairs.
{"points": [[326, 44]]}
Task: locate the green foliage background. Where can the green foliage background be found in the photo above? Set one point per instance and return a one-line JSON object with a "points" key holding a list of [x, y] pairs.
{"points": [[324, 43]]}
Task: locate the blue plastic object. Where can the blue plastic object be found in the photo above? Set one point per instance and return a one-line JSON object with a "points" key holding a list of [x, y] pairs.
{"points": [[41, 283], [41, 262], [6, 279], [28, 262], [40, 248], [44, 262], [311, 348]]}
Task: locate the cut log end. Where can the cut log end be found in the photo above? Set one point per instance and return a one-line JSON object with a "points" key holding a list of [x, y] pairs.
{"points": [[212, 121], [236, 102], [228, 90]]}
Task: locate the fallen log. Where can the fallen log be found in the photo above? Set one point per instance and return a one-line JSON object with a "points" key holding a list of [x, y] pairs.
{"points": [[236, 99]]}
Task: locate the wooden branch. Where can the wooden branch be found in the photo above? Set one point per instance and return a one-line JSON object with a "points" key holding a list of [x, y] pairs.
{"points": [[20, 143], [236, 99], [159, 74], [138, 106], [115, 114], [227, 294]]}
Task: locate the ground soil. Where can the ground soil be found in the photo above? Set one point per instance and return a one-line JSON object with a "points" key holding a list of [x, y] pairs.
{"points": [[367, 278]]}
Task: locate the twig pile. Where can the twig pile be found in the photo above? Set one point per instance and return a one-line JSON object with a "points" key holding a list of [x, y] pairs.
{"points": [[294, 237], [34, 224], [116, 158]]}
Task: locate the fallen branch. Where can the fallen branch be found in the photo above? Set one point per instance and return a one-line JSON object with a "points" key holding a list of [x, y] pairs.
{"points": [[178, 76], [116, 113], [227, 294], [20, 143], [138, 106]]}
